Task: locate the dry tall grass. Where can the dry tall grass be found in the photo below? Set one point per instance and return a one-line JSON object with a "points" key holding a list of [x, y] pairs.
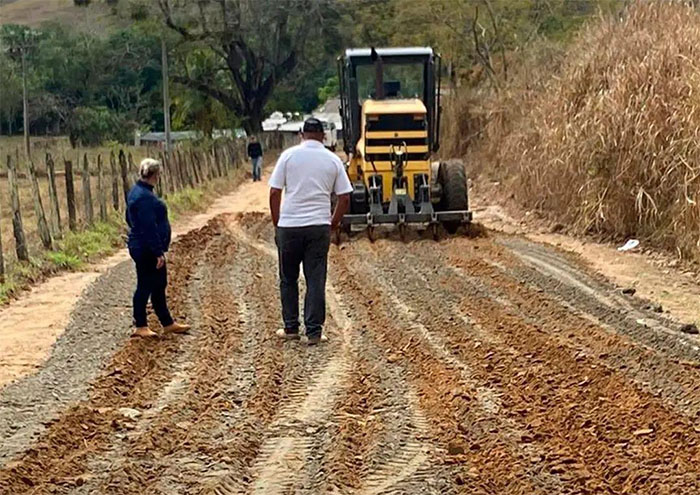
{"points": [[612, 143]]}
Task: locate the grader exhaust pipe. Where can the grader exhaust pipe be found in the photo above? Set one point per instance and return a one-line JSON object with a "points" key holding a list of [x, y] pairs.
{"points": [[379, 75]]}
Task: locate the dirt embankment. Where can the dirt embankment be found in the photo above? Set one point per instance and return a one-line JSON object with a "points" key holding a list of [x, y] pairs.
{"points": [[490, 365]]}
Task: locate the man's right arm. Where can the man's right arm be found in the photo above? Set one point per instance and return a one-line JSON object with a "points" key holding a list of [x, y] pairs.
{"points": [[341, 208], [277, 184], [275, 202], [342, 188]]}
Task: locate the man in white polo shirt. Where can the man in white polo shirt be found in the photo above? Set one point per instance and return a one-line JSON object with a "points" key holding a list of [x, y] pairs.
{"points": [[308, 174]]}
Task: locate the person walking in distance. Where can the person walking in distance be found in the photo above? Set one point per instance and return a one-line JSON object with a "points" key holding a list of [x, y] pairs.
{"points": [[255, 152], [308, 174], [149, 240]]}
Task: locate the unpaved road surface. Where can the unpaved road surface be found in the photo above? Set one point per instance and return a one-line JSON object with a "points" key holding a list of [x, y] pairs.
{"points": [[488, 365], [32, 323]]}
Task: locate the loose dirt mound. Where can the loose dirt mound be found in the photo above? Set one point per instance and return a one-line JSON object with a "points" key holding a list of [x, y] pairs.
{"points": [[487, 365]]}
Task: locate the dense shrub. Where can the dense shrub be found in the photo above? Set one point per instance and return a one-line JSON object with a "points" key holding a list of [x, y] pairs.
{"points": [[91, 126], [610, 143]]}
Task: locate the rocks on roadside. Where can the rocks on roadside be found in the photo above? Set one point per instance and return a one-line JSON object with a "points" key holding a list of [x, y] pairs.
{"points": [[455, 449], [690, 328], [656, 308], [129, 413], [556, 228]]}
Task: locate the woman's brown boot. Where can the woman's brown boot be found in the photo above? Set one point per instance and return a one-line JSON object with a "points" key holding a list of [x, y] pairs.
{"points": [[177, 328], [144, 332]]}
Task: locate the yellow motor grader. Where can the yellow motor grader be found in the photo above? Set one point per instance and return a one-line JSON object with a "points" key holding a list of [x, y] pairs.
{"points": [[390, 109]]}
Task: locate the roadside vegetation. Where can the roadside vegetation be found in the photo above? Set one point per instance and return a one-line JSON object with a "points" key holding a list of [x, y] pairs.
{"points": [[583, 111], [78, 249], [600, 135]]}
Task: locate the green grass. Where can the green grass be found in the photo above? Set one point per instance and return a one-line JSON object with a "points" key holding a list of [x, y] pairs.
{"points": [[64, 261], [186, 201], [20, 277], [98, 241], [77, 249]]}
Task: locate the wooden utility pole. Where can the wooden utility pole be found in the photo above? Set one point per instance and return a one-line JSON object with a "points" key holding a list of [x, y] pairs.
{"points": [[25, 105], [166, 97]]}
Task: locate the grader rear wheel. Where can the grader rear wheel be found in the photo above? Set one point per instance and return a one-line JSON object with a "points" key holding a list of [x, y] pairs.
{"points": [[452, 176]]}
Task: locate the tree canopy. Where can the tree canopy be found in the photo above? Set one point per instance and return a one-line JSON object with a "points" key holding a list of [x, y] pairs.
{"points": [[235, 61]]}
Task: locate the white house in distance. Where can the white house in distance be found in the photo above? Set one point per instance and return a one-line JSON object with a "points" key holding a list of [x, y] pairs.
{"points": [[292, 123]]}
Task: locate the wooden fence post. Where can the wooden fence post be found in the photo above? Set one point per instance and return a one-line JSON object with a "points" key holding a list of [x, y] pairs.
{"points": [[205, 163], [125, 174], [101, 190], [132, 167], [224, 159], [159, 184], [2, 255], [70, 195], [172, 165], [53, 198], [181, 170], [197, 166], [187, 169], [115, 180], [217, 161], [165, 174], [192, 168], [17, 228], [87, 193], [42, 225]]}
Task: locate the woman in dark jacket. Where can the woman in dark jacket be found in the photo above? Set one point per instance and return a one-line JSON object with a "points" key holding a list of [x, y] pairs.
{"points": [[149, 240]]}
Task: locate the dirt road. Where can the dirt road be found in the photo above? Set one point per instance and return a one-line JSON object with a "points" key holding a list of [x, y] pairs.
{"points": [[473, 365], [31, 324]]}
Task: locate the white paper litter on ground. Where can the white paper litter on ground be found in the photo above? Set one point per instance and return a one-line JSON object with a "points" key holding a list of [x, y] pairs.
{"points": [[629, 245]]}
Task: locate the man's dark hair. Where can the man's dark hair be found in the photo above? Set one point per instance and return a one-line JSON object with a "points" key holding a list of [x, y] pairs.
{"points": [[313, 125]]}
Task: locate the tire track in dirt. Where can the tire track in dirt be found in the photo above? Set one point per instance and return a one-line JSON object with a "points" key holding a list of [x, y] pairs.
{"points": [[379, 435], [59, 459], [619, 433], [654, 371], [470, 458], [293, 436], [104, 465], [394, 282], [247, 387], [297, 443], [166, 438], [597, 297], [619, 341]]}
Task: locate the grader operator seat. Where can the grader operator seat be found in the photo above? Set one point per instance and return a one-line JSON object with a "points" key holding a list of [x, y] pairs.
{"points": [[390, 108]]}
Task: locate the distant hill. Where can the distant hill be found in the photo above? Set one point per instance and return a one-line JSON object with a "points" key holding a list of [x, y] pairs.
{"points": [[35, 12]]}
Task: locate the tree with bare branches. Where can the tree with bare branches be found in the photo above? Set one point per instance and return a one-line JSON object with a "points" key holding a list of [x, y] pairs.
{"points": [[237, 51]]}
